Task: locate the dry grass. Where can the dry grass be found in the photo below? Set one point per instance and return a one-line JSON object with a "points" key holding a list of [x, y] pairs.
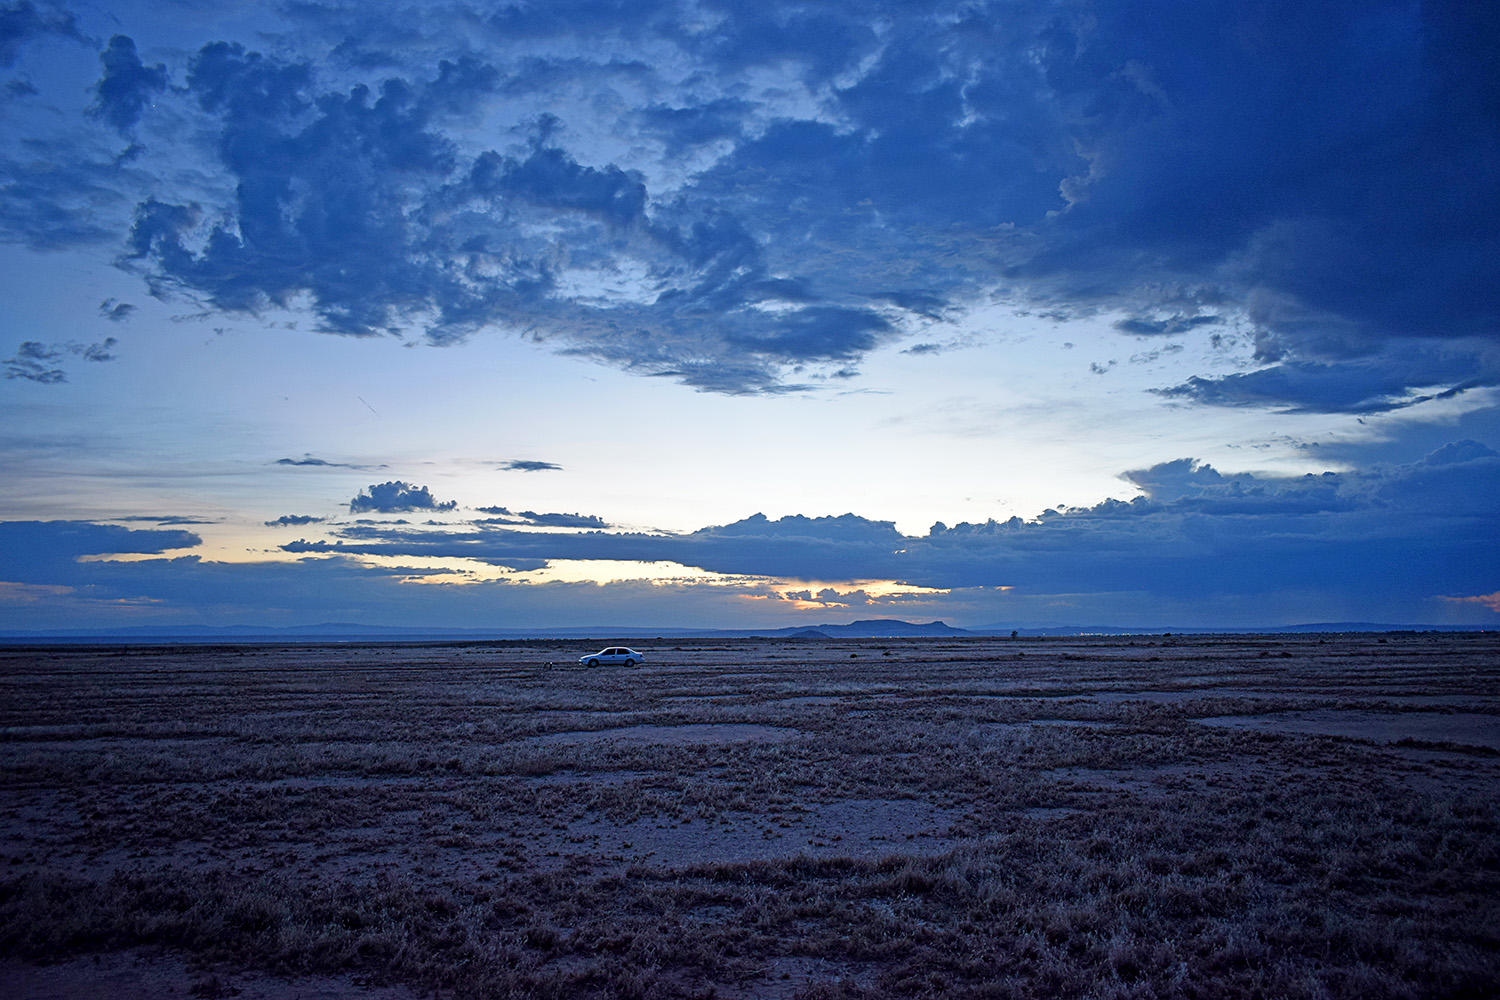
{"points": [[944, 818]]}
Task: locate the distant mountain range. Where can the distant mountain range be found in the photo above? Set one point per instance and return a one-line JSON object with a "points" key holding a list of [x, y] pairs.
{"points": [[875, 628]]}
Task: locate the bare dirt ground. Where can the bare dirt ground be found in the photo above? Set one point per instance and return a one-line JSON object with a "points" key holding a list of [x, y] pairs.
{"points": [[1300, 816]]}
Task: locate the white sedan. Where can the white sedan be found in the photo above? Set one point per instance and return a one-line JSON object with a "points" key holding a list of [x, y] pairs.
{"points": [[612, 654]]}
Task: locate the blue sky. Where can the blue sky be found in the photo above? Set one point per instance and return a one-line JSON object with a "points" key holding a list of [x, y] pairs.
{"points": [[709, 313]]}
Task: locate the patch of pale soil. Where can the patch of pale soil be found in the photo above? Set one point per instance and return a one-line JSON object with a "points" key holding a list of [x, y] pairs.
{"points": [[1388, 727], [690, 734], [142, 976]]}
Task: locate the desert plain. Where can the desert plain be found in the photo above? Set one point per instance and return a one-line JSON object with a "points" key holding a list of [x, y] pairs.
{"points": [[1111, 817]]}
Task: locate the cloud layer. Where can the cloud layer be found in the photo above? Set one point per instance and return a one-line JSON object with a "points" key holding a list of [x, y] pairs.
{"points": [[748, 197], [1422, 530], [1414, 542]]}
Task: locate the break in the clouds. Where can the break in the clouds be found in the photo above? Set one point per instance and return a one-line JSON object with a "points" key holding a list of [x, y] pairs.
{"points": [[395, 496], [1424, 530], [746, 197], [1419, 535], [947, 262]]}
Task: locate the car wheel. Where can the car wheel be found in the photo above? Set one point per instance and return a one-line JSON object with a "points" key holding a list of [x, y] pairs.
{"points": [[629, 662], [593, 663]]}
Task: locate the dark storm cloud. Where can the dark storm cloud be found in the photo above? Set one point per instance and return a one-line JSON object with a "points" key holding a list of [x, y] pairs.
{"points": [[1323, 173], [395, 496], [1417, 530], [127, 84]]}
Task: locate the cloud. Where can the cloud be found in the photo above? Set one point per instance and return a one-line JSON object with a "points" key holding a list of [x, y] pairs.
{"points": [[24, 21], [818, 334], [1409, 542], [308, 461], [127, 84], [1415, 530], [755, 200], [548, 177], [528, 465], [1490, 601], [39, 362], [1459, 452], [164, 519], [682, 128], [1360, 386], [1165, 326], [386, 498], [195, 591], [292, 520], [114, 311], [47, 552], [503, 515]]}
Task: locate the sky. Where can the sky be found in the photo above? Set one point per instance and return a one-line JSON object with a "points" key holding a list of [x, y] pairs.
{"points": [[723, 314]]}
